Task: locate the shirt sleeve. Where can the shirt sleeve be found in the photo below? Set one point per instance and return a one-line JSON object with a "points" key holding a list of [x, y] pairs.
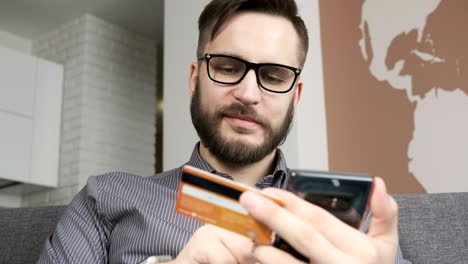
{"points": [[365, 227], [80, 235]]}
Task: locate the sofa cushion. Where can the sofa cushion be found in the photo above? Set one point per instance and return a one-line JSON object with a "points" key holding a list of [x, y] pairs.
{"points": [[23, 232], [434, 227]]}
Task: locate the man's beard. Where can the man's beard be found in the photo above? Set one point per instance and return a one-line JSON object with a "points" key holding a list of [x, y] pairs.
{"points": [[236, 152]]}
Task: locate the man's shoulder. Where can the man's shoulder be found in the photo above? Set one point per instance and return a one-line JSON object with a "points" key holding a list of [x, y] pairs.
{"points": [[112, 197], [118, 178], [128, 186]]}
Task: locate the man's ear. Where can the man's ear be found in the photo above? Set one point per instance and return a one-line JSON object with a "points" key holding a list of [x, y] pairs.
{"points": [[193, 78], [298, 92]]}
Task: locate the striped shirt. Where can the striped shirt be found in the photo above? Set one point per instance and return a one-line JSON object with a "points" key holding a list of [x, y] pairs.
{"points": [[124, 218]]}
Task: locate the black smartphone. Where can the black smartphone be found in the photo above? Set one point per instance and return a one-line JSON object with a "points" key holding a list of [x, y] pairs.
{"points": [[344, 195]]}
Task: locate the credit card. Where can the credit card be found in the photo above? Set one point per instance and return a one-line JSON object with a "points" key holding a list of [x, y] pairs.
{"points": [[213, 199]]}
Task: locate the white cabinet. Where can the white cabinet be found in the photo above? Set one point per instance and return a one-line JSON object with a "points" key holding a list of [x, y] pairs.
{"points": [[30, 118]]}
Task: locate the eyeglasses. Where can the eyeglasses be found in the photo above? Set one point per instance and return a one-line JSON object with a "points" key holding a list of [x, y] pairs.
{"points": [[225, 69]]}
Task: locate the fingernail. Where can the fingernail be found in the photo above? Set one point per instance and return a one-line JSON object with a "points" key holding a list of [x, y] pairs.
{"points": [[250, 201]]}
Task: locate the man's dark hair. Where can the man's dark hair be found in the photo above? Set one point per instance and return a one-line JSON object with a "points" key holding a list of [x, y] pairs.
{"points": [[218, 12]]}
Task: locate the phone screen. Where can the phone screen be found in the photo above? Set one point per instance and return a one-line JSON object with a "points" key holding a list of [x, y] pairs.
{"points": [[344, 195]]}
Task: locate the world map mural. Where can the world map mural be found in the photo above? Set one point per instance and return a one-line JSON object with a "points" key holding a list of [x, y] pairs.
{"points": [[396, 91]]}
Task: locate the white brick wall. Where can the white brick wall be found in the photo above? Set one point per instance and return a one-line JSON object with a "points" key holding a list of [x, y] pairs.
{"points": [[109, 106]]}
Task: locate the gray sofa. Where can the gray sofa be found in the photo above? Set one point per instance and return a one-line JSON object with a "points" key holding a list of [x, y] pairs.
{"points": [[433, 229]]}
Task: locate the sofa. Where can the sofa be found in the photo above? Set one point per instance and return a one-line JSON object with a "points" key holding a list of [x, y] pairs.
{"points": [[433, 229]]}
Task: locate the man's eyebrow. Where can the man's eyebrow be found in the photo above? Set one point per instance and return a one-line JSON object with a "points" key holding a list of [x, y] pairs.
{"points": [[231, 54], [243, 58]]}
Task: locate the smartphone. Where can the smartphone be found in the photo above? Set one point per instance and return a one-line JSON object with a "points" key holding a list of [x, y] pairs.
{"points": [[344, 195]]}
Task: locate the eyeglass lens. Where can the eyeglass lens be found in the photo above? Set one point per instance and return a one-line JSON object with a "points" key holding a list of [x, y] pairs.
{"points": [[229, 70]]}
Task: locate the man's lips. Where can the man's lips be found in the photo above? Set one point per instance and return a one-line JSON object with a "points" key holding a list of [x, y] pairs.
{"points": [[242, 121], [241, 117]]}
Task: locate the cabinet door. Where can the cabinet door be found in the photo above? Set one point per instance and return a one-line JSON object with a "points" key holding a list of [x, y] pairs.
{"points": [[15, 150], [17, 76], [47, 121]]}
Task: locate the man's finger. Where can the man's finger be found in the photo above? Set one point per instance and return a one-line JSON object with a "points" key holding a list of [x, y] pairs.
{"points": [[333, 229], [239, 246], [268, 254], [384, 222], [298, 233]]}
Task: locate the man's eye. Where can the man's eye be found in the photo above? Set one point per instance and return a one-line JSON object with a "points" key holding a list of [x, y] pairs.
{"points": [[227, 70], [272, 78]]}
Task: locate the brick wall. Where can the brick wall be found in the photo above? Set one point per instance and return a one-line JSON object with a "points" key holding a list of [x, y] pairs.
{"points": [[109, 104]]}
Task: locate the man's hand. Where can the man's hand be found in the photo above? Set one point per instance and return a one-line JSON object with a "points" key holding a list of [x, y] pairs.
{"points": [[322, 237], [211, 244]]}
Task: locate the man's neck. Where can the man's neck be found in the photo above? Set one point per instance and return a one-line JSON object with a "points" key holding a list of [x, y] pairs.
{"points": [[249, 174]]}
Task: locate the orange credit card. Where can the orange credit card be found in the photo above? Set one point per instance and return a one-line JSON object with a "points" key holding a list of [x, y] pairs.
{"points": [[213, 199]]}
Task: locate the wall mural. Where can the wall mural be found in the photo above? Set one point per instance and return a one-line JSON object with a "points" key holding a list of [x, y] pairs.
{"points": [[396, 91]]}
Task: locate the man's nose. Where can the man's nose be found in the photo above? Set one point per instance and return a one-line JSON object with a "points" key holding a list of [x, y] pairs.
{"points": [[247, 91]]}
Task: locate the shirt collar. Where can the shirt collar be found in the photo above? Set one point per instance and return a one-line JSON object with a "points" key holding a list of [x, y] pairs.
{"points": [[277, 179]]}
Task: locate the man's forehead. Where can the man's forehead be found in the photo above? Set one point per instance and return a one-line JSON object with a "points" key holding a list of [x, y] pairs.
{"points": [[257, 37]]}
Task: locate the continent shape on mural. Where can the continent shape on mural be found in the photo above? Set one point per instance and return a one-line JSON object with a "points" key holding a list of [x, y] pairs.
{"points": [[420, 47]]}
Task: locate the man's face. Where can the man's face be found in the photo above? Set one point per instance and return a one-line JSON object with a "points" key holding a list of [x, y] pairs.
{"points": [[241, 124]]}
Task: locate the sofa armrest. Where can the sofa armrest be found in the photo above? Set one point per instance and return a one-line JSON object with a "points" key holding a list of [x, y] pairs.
{"points": [[24, 230], [434, 227]]}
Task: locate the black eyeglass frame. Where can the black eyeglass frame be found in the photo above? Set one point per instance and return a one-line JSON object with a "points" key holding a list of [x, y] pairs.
{"points": [[249, 65]]}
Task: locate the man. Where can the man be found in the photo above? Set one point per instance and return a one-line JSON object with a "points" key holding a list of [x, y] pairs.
{"points": [[244, 86]]}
